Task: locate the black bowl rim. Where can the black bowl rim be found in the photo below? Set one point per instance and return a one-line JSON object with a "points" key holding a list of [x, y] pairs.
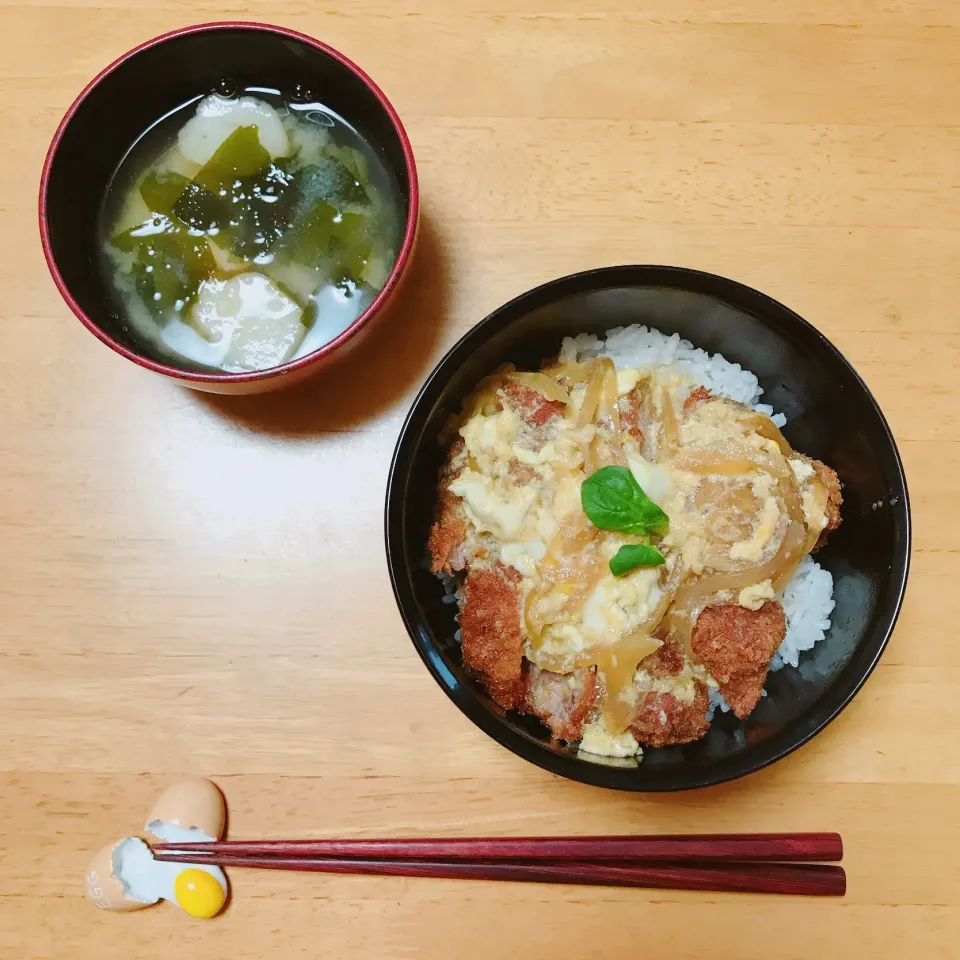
{"points": [[400, 264], [724, 289]]}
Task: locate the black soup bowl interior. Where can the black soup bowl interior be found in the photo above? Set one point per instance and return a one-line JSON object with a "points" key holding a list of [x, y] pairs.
{"points": [[830, 415], [145, 85]]}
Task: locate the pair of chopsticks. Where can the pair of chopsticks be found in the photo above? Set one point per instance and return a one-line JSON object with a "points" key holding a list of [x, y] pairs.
{"points": [[748, 863]]}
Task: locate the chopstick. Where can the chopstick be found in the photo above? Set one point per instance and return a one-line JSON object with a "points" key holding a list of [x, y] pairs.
{"points": [[748, 863], [702, 848], [799, 879]]}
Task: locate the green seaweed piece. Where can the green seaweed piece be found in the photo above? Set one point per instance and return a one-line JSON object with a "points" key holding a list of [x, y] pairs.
{"points": [[161, 190], [331, 180], [265, 209], [310, 313], [354, 160], [325, 235], [352, 262], [168, 263], [240, 155], [201, 209]]}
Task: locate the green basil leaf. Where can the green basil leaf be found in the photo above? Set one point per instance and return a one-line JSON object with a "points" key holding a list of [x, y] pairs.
{"points": [[633, 555], [613, 500]]}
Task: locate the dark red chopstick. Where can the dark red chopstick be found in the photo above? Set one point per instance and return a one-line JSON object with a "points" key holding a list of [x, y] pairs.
{"points": [[704, 848], [804, 879]]}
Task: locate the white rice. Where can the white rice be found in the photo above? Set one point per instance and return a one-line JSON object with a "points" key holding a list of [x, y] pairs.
{"points": [[645, 348], [808, 598]]}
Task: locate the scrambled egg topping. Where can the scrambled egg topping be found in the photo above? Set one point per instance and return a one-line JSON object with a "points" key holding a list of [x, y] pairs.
{"points": [[523, 517], [519, 490]]}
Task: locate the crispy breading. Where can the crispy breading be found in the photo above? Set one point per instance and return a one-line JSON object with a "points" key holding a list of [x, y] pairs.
{"points": [[696, 395], [562, 701], [663, 720], [492, 632], [449, 530], [532, 406], [736, 645], [834, 499], [743, 692], [666, 662]]}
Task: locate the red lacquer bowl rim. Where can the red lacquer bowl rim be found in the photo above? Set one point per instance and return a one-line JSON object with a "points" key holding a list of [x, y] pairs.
{"points": [[403, 257]]}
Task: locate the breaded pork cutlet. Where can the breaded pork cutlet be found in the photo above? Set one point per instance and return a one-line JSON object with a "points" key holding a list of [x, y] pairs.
{"points": [[736, 645], [492, 632], [563, 701], [662, 719], [834, 499]]}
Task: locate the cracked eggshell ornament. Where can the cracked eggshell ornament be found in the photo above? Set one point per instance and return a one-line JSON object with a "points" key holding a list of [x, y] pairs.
{"points": [[190, 811], [124, 876], [104, 887]]}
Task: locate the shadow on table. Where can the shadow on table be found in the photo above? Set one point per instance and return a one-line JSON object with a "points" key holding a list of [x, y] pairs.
{"points": [[397, 354]]}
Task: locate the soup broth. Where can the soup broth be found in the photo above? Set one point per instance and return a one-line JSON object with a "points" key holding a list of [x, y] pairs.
{"points": [[245, 230]]}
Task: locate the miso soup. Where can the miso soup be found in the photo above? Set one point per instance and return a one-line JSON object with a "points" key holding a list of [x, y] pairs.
{"points": [[243, 231]]}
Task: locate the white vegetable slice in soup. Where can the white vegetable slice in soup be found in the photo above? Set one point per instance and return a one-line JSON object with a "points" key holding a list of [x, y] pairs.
{"points": [[259, 322], [216, 118]]}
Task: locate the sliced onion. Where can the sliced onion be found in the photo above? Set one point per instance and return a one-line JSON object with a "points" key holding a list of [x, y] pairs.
{"points": [[577, 579], [670, 429], [573, 373], [575, 533], [484, 397], [766, 428], [571, 559], [617, 664], [718, 462], [593, 396], [542, 384]]}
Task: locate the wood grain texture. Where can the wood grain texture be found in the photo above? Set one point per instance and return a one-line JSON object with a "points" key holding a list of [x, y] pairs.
{"points": [[197, 585]]}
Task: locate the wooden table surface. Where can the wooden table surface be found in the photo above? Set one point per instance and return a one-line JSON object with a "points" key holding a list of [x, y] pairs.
{"points": [[197, 586]]}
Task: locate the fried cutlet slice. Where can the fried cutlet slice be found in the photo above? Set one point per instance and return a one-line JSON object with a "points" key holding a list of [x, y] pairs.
{"points": [[696, 395], [834, 499], [449, 530], [662, 719], [736, 645], [563, 701], [492, 632], [530, 405]]}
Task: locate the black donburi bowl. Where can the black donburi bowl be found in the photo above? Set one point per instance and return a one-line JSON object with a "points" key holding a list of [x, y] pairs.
{"points": [[830, 414]]}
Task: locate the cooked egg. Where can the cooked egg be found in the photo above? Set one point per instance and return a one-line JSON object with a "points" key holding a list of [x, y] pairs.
{"points": [[752, 548], [754, 597], [597, 739], [655, 482], [627, 380], [495, 508]]}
